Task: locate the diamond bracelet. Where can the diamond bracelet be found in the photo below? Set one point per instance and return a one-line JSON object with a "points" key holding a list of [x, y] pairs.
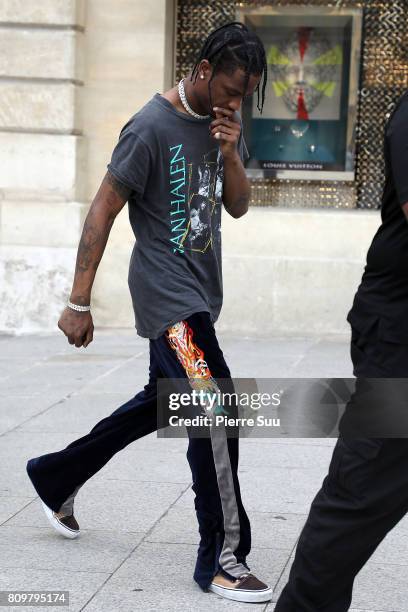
{"points": [[77, 307]]}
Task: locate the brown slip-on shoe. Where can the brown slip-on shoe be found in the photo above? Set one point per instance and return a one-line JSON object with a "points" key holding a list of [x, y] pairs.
{"points": [[69, 521], [248, 588], [65, 525]]}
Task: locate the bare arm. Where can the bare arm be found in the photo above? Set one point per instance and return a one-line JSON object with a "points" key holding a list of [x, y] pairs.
{"points": [[107, 203], [405, 209], [236, 187]]}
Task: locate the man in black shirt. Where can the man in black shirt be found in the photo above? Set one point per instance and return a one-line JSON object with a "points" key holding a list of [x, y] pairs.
{"points": [[365, 492], [383, 292]]}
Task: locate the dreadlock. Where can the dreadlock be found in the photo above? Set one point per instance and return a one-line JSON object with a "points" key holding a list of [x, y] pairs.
{"points": [[234, 46]]}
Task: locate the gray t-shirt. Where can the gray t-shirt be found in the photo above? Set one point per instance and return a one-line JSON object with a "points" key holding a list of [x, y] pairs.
{"points": [[175, 170]]}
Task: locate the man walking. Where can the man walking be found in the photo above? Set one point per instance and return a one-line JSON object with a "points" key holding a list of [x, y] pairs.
{"points": [[177, 161], [365, 493]]}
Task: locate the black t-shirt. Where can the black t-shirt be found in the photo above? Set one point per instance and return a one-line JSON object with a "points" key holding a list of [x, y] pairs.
{"points": [[175, 169], [383, 292]]}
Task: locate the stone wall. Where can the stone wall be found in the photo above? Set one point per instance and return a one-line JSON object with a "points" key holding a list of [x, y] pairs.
{"points": [[71, 74], [68, 83], [128, 60], [42, 157], [293, 271]]}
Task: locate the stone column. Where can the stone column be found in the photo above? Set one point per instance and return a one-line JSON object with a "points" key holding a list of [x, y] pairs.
{"points": [[129, 57], [42, 187], [65, 93]]}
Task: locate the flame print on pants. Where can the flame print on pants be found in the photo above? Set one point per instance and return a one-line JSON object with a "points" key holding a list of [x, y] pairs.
{"points": [[191, 357]]}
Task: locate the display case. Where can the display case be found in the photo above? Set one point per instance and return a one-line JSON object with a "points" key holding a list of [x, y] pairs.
{"points": [[307, 127]]}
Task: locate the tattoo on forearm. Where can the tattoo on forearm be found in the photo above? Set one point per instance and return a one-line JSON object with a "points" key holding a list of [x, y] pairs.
{"points": [[92, 243], [97, 226], [89, 240], [119, 188]]}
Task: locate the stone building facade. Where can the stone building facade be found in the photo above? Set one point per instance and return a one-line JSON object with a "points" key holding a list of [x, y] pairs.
{"points": [[71, 73]]}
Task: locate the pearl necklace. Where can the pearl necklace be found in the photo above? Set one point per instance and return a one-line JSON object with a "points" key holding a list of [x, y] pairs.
{"points": [[186, 105]]}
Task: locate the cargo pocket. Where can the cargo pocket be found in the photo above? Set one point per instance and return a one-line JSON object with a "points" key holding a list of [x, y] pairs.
{"points": [[393, 330], [352, 468]]}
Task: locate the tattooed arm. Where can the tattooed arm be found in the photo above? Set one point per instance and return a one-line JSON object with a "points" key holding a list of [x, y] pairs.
{"points": [[236, 188], [112, 195], [108, 202]]}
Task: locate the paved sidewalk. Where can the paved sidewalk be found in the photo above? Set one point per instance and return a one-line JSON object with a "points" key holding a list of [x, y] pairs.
{"points": [[139, 534]]}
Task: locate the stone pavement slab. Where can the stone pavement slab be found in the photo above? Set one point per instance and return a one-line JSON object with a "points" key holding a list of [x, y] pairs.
{"points": [[93, 551], [80, 584], [139, 533], [159, 577], [15, 449], [269, 529], [74, 415], [119, 505], [11, 505], [380, 586], [287, 490]]}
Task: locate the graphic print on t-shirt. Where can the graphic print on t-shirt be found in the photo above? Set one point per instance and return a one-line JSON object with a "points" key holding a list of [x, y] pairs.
{"points": [[195, 198]]}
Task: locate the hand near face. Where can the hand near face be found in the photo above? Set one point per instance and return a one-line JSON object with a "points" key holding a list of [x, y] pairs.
{"points": [[226, 128]]}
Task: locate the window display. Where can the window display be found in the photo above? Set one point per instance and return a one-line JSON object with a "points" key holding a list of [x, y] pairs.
{"points": [[307, 127]]}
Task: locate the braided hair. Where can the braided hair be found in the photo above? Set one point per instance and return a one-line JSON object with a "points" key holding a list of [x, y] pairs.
{"points": [[234, 46]]}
